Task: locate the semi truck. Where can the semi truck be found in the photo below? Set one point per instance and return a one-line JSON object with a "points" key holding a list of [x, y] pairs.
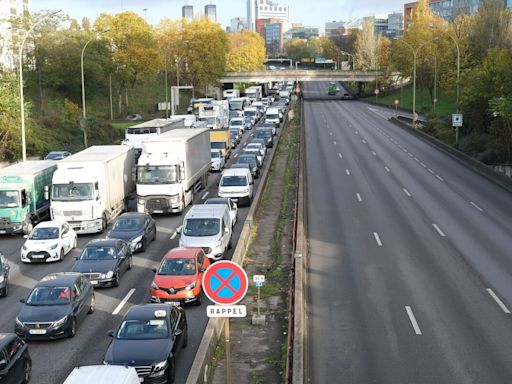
{"points": [[92, 187], [215, 114], [23, 202], [221, 139], [171, 169]]}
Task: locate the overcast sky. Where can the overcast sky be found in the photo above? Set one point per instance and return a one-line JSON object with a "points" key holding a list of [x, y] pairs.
{"points": [[307, 12]]}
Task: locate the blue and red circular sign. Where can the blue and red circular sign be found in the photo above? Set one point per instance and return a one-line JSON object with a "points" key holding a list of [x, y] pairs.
{"points": [[225, 282]]}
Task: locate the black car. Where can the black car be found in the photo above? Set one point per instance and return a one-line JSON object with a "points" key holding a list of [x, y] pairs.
{"points": [[137, 229], [103, 261], [4, 275], [265, 134], [55, 306], [149, 338], [15, 361], [253, 163]]}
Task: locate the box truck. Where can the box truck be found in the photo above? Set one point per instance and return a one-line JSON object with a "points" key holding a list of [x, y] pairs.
{"points": [[254, 93], [215, 114], [23, 202], [230, 93], [221, 139], [171, 169], [92, 187]]}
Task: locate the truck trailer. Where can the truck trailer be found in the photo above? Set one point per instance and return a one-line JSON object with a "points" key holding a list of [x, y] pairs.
{"points": [[92, 187], [23, 202], [171, 169]]}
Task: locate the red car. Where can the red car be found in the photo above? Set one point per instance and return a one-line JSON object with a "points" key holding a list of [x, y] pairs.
{"points": [[178, 279]]}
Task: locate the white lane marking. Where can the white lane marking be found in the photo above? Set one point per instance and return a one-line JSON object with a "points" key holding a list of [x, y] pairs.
{"points": [[373, 153], [387, 169], [406, 192], [348, 172], [415, 158], [124, 301], [498, 301], [174, 234], [438, 230], [334, 143], [340, 155], [359, 197], [431, 171], [423, 164], [399, 146], [410, 154], [377, 239], [376, 111], [204, 196], [357, 133], [404, 149], [236, 154], [364, 141], [414, 323], [476, 206], [439, 178], [330, 133]]}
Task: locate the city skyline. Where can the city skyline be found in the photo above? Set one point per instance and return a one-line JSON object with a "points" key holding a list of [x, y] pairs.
{"points": [[302, 11]]}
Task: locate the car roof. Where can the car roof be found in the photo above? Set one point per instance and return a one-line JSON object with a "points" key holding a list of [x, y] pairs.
{"points": [[202, 211], [241, 165], [182, 252], [143, 312], [58, 279], [217, 200], [6, 338], [103, 242], [235, 172], [131, 215]]}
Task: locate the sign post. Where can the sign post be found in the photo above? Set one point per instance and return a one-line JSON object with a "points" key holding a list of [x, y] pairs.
{"points": [[259, 280], [225, 283], [376, 91], [457, 121], [397, 101]]}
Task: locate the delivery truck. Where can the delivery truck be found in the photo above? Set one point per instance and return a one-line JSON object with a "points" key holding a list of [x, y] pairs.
{"points": [[221, 139], [92, 187], [215, 114], [231, 93], [171, 169], [98, 374], [254, 92], [23, 202]]}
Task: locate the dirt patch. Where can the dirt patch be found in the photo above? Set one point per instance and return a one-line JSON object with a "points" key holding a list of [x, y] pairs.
{"points": [[258, 352]]}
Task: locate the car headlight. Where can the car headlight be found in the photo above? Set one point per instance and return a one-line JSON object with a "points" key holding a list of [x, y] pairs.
{"points": [[154, 286], [160, 367], [19, 322], [136, 240], [24, 248], [191, 286], [107, 275], [2, 278], [60, 322], [53, 246], [245, 190], [140, 201]]}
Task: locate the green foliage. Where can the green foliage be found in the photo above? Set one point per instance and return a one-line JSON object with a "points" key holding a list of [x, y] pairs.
{"points": [[10, 122], [297, 49], [246, 51]]}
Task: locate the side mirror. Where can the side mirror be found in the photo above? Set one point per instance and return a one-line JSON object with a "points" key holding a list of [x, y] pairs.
{"points": [[226, 230], [154, 270], [110, 333], [22, 301], [178, 332], [25, 236], [178, 230], [201, 270]]}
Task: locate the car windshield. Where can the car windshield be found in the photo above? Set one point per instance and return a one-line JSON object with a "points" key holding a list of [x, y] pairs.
{"points": [[215, 155], [247, 159], [250, 113], [178, 267], [128, 224], [44, 233], [137, 329], [92, 252], [253, 146], [55, 156], [236, 123], [9, 199], [235, 105], [233, 181], [49, 296], [272, 116], [208, 120], [72, 192], [157, 174], [201, 227], [218, 145]]}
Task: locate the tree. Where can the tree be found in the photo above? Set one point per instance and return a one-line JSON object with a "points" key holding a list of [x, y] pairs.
{"points": [[133, 47], [297, 49], [246, 51], [366, 45], [501, 127]]}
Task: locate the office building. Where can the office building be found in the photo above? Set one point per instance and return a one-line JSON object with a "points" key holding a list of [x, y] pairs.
{"points": [[335, 29], [8, 9], [187, 12], [273, 38], [238, 24], [265, 9], [210, 11], [300, 32], [395, 24]]}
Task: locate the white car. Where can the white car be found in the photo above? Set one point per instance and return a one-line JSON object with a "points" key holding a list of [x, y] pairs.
{"points": [[49, 241], [259, 146], [218, 162]]}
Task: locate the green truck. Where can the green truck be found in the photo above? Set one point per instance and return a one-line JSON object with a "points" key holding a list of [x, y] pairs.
{"points": [[22, 195], [332, 89]]}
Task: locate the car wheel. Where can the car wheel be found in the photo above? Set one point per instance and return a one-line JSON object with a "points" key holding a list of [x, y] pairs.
{"points": [[229, 244], [154, 236], [143, 246], [199, 299], [117, 279], [61, 254], [72, 330], [92, 308], [28, 372], [130, 263], [5, 291], [103, 223], [171, 371], [185, 337]]}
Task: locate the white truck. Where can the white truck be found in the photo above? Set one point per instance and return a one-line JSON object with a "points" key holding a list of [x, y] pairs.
{"points": [[254, 92], [230, 93], [111, 374], [92, 187], [215, 114], [171, 169]]}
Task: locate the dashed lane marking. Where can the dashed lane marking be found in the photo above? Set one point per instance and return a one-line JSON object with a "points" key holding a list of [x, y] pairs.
{"points": [[123, 302], [412, 318]]}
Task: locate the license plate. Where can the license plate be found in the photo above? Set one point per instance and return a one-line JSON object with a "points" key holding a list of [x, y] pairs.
{"points": [[94, 282], [37, 331], [157, 211], [38, 256], [2, 232], [173, 302]]}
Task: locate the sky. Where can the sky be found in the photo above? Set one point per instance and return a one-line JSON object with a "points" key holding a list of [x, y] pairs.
{"points": [[308, 12]]}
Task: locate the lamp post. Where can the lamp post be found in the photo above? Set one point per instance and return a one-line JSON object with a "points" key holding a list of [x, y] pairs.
{"points": [[415, 54], [83, 124], [22, 100], [350, 56]]}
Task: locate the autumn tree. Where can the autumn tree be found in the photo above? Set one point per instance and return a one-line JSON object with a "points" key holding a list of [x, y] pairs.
{"points": [[246, 51], [297, 49], [366, 47]]}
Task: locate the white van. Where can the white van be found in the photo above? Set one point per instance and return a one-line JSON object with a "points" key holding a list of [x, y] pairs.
{"points": [[273, 116], [237, 184], [207, 227], [111, 374]]}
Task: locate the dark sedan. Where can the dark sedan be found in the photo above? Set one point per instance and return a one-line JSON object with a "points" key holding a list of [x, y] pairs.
{"points": [[137, 229], [55, 306], [253, 163], [15, 361], [149, 338], [4, 275], [103, 261], [265, 134]]}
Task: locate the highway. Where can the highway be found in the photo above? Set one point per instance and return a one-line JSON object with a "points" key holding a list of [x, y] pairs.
{"points": [[53, 360], [410, 263]]}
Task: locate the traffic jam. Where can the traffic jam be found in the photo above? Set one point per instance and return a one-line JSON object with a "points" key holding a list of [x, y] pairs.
{"points": [[104, 206]]}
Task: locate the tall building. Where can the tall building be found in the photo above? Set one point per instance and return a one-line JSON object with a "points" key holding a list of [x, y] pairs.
{"points": [[238, 24], [187, 12], [251, 15], [300, 32], [395, 24], [335, 28], [210, 11], [8, 9], [274, 38], [265, 9]]}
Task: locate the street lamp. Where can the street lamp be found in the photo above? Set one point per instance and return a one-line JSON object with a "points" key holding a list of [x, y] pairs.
{"points": [[83, 124], [415, 54], [22, 101], [458, 63], [350, 56]]}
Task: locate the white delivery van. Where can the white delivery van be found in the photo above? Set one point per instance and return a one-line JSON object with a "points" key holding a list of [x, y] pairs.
{"points": [[273, 116], [99, 374], [237, 184], [208, 227]]}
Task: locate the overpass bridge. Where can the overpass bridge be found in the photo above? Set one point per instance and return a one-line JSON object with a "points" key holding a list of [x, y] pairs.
{"points": [[299, 75]]}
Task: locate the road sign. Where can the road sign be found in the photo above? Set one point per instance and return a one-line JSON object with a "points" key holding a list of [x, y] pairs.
{"points": [[226, 311], [457, 119], [258, 278], [225, 282], [397, 101], [376, 91]]}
